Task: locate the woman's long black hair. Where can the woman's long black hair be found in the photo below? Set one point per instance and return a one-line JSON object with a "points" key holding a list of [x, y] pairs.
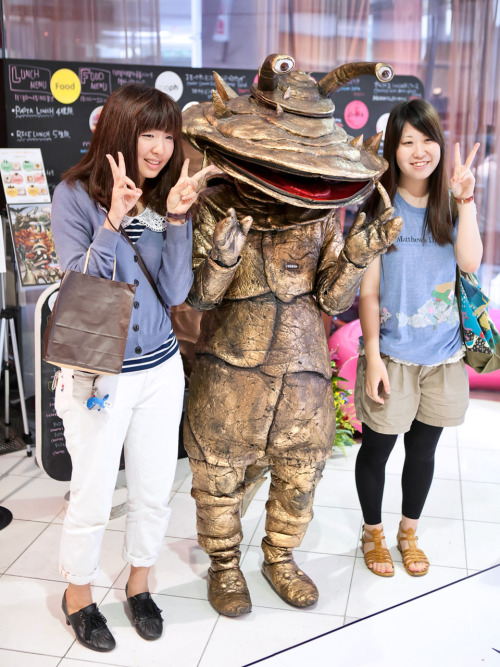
{"points": [[423, 117]]}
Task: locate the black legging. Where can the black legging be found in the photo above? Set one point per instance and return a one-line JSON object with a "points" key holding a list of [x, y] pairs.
{"points": [[420, 446]]}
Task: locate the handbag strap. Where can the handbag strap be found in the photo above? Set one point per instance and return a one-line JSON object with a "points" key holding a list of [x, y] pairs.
{"points": [[143, 267], [459, 301], [87, 261]]}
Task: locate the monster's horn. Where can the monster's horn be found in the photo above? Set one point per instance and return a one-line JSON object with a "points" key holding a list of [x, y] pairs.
{"points": [[372, 143], [358, 141], [274, 66], [345, 73], [279, 110], [225, 91], [220, 109]]}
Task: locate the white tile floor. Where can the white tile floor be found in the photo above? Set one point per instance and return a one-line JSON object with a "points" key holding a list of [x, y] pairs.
{"points": [[460, 532]]}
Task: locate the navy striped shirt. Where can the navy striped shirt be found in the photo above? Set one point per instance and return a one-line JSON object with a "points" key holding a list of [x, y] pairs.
{"points": [[166, 349]]}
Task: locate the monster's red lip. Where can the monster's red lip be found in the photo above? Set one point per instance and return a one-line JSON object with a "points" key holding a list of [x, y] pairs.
{"points": [[312, 189]]}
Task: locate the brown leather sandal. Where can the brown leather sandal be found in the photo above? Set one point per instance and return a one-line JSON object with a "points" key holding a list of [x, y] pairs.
{"points": [[412, 554], [378, 554]]}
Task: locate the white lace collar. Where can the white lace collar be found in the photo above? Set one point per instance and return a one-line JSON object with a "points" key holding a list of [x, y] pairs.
{"points": [[148, 218]]}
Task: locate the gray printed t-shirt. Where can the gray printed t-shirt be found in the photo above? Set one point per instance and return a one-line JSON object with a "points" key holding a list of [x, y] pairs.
{"points": [[419, 319]]}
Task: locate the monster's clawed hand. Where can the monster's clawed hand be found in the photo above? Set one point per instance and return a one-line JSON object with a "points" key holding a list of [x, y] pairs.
{"points": [[367, 240], [229, 238]]}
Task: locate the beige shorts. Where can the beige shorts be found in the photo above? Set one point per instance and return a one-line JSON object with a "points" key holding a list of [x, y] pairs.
{"points": [[435, 395]]}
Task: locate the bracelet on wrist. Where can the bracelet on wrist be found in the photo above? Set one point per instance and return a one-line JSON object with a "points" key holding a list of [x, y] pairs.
{"points": [[465, 200], [177, 216], [112, 225]]}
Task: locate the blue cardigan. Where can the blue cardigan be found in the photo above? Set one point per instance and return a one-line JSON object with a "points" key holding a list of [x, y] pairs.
{"points": [[77, 223]]}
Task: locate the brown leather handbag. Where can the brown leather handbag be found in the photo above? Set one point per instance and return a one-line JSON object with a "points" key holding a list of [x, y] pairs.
{"points": [[88, 327]]}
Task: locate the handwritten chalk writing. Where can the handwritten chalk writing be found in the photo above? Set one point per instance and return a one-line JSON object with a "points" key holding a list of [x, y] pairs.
{"points": [[395, 91], [389, 98], [208, 78], [61, 134], [125, 76], [123, 80], [45, 111], [19, 74], [33, 135], [19, 111], [397, 85], [32, 112], [95, 97], [65, 111], [28, 78], [95, 80], [21, 97], [350, 89], [38, 85], [354, 84], [92, 76], [201, 84], [235, 79]]}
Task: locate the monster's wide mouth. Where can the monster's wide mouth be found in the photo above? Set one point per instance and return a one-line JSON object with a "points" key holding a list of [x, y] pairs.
{"points": [[311, 188]]}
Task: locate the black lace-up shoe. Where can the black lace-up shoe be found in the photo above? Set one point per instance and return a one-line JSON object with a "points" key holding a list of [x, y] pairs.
{"points": [[146, 615], [90, 627]]}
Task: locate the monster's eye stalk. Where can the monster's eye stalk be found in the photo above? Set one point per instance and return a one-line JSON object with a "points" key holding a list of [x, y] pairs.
{"points": [[282, 64], [273, 68], [346, 73], [383, 72]]}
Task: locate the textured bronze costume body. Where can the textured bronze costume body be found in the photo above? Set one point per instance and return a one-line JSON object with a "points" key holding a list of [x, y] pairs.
{"points": [[260, 393]]}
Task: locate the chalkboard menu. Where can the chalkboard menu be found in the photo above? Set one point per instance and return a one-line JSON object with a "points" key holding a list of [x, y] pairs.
{"points": [[51, 452], [55, 106]]}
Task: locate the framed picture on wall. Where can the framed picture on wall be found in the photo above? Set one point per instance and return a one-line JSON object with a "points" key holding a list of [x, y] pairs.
{"points": [[36, 257], [23, 175]]}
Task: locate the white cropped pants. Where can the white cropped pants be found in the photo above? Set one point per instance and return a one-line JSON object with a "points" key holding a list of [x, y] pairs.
{"points": [[143, 417]]}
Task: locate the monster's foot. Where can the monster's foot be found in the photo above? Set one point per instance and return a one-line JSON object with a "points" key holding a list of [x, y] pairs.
{"points": [[291, 584], [228, 592]]}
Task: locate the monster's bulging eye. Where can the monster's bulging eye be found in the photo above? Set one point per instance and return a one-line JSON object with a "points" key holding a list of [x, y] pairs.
{"points": [[384, 72], [283, 64]]}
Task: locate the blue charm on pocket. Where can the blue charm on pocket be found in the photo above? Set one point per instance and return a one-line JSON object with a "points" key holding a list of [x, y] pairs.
{"points": [[96, 403]]}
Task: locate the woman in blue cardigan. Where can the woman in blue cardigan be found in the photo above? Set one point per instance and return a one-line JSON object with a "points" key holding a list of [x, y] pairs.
{"points": [[134, 176]]}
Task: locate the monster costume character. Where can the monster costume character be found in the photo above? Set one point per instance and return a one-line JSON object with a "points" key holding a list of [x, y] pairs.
{"points": [[260, 393]]}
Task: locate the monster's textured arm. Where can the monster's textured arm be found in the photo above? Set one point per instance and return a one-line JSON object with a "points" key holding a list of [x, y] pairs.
{"points": [[338, 283], [217, 248]]}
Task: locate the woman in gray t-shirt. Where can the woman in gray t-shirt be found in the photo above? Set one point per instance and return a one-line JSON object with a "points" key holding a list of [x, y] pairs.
{"points": [[411, 376]]}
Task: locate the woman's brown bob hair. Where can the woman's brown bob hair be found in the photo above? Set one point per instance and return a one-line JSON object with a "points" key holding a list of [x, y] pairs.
{"points": [[423, 117], [127, 113]]}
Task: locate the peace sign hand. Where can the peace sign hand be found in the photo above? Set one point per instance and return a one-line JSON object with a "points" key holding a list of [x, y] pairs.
{"points": [[124, 195], [185, 192], [462, 182]]}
